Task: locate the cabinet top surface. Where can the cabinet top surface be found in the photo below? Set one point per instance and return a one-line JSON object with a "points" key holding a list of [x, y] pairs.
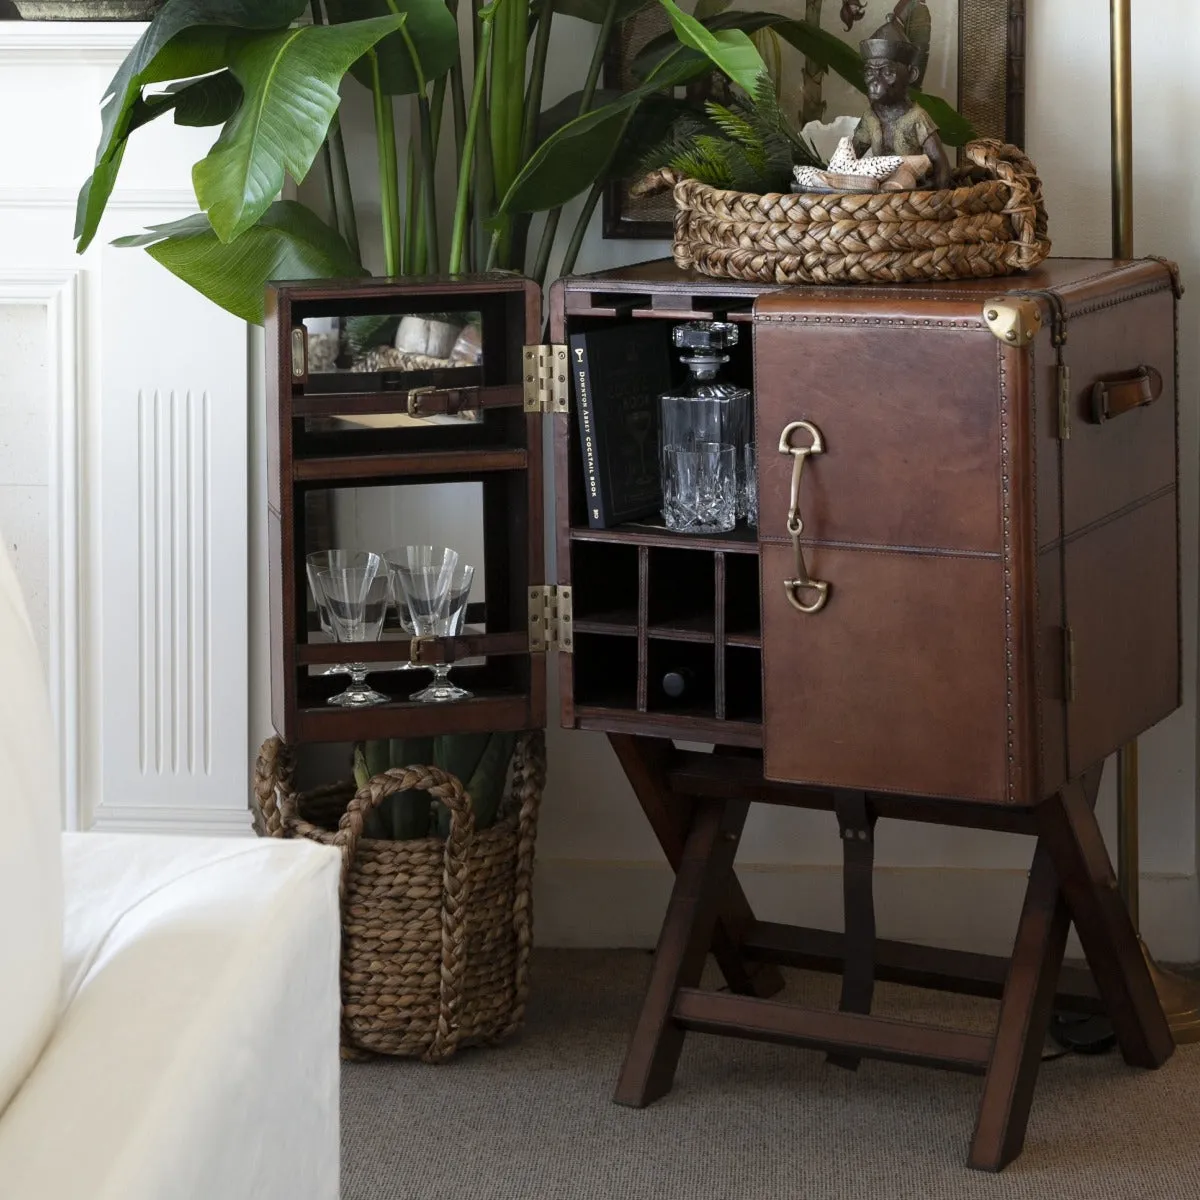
{"points": [[1064, 275]]}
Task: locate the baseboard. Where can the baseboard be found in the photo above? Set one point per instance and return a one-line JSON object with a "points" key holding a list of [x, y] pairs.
{"points": [[146, 818], [621, 904]]}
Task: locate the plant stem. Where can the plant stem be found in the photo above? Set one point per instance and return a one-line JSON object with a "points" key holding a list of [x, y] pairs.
{"points": [[429, 196], [410, 208], [389, 185], [428, 150], [507, 95], [542, 263], [328, 186], [334, 154], [537, 76], [347, 220], [458, 102], [459, 231], [602, 40], [585, 216], [483, 195]]}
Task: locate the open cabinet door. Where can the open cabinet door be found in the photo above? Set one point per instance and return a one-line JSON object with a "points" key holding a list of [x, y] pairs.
{"points": [[401, 405]]}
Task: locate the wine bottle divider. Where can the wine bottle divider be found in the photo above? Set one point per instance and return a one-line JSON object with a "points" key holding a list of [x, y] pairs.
{"points": [[719, 634], [643, 689], [654, 605]]}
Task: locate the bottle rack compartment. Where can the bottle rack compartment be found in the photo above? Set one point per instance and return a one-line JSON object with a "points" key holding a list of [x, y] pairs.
{"points": [[644, 611]]}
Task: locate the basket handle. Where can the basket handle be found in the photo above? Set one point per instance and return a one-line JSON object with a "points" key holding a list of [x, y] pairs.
{"points": [[1025, 207], [438, 783], [272, 773], [528, 784], [657, 181], [455, 880]]}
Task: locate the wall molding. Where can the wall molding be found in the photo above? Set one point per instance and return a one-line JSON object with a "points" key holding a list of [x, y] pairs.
{"points": [[59, 292], [122, 198], [580, 903], [175, 818], [55, 42]]}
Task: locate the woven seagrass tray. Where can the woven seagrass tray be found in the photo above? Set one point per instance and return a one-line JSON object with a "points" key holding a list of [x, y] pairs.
{"points": [[991, 222], [436, 933]]}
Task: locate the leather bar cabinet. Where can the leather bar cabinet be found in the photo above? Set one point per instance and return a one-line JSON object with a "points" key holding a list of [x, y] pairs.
{"points": [[962, 596]]}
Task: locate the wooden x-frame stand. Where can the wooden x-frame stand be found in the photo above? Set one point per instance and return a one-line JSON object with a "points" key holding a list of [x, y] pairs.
{"points": [[697, 805]]}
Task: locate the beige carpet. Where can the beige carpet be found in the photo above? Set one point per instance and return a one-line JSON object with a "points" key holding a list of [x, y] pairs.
{"points": [[533, 1119]]}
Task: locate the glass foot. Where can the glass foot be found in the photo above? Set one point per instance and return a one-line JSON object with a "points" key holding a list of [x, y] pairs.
{"points": [[359, 695], [440, 691]]}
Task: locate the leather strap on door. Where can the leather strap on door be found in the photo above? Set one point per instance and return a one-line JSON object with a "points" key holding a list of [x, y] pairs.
{"points": [[856, 823], [1118, 394]]}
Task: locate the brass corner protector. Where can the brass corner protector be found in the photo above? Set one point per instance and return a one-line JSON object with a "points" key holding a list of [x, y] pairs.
{"points": [[1015, 321]]}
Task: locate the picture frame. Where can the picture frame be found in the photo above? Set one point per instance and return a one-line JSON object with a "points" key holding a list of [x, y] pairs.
{"points": [[988, 45]]}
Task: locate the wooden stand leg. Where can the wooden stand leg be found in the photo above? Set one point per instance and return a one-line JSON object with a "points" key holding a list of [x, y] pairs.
{"points": [[856, 827], [701, 882], [646, 762], [1110, 942], [1025, 1011]]}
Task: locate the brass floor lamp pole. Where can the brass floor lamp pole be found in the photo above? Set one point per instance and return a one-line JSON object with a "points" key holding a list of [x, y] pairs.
{"points": [[1180, 997]]}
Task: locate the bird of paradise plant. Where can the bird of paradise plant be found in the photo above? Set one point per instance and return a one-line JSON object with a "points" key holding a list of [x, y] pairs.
{"points": [[269, 73]]}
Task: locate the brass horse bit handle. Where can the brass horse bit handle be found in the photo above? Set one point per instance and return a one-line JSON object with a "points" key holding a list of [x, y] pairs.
{"points": [[803, 582]]}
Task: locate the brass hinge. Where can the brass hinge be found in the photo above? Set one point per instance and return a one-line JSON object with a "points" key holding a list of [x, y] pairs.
{"points": [[550, 618], [1064, 402], [1014, 320], [1068, 664], [546, 379]]}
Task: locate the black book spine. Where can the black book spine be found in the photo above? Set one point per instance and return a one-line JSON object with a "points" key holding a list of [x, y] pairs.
{"points": [[587, 432]]}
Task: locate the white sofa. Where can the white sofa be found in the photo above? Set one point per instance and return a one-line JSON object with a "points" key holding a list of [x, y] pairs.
{"points": [[168, 1006]]}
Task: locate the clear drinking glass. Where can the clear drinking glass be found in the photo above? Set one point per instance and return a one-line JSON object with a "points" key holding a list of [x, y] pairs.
{"points": [[751, 460], [449, 624], [700, 488], [357, 598], [421, 575], [322, 560]]}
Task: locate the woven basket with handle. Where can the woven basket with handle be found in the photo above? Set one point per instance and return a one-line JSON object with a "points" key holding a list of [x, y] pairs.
{"points": [[991, 222], [436, 933]]}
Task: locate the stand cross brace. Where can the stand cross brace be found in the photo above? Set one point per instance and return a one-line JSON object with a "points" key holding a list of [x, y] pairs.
{"points": [[697, 805]]}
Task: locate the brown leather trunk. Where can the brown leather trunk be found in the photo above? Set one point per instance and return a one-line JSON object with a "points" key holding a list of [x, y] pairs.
{"points": [[996, 518]]}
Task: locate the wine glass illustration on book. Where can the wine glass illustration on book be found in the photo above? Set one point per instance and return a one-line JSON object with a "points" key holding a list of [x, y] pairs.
{"points": [[355, 589]]}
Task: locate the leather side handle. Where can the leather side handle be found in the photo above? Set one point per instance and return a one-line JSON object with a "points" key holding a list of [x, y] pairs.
{"points": [[1118, 394]]}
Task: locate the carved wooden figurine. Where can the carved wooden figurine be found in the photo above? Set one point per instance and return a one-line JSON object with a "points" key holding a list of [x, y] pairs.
{"points": [[894, 124]]}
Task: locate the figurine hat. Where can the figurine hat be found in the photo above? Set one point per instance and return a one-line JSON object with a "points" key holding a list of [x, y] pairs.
{"points": [[888, 41]]}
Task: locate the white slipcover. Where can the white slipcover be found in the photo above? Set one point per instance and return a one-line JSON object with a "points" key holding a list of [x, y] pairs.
{"points": [[30, 869], [196, 1056]]}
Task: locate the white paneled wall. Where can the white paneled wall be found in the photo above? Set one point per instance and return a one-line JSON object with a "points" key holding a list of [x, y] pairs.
{"points": [[123, 457]]}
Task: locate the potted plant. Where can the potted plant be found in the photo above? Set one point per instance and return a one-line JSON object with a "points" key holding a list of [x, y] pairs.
{"points": [[271, 86]]}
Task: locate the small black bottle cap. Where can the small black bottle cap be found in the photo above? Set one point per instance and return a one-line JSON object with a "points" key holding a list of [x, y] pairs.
{"points": [[674, 683]]}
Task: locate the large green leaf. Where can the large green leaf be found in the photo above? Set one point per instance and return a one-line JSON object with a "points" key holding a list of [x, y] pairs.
{"points": [[824, 48], [289, 242], [570, 159], [185, 39], [954, 128], [208, 101], [434, 34], [291, 83], [567, 109], [730, 50]]}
